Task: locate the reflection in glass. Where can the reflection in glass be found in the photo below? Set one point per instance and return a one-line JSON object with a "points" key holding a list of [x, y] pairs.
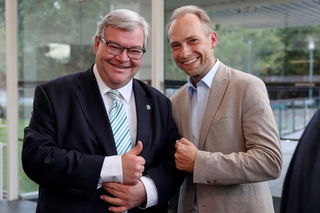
{"points": [[55, 39]]}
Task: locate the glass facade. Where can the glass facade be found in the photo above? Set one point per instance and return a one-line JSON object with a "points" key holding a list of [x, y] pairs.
{"points": [[55, 38], [278, 42]]}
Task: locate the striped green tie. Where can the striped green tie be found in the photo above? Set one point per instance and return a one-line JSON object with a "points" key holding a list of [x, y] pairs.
{"points": [[119, 123]]}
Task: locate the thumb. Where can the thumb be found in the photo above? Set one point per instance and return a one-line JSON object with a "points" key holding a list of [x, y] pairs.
{"points": [[185, 141], [137, 149]]}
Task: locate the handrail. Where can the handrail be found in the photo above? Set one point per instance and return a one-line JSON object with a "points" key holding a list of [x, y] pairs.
{"points": [[292, 115]]}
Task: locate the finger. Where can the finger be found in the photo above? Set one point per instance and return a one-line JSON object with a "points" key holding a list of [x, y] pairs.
{"points": [[179, 147], [176, 156], [185, 141], [112, 200], [178, 166], [117, 209], [178, 144], [141, 169], [113, 185], [142, 160], [114, 192], [137, 149]]}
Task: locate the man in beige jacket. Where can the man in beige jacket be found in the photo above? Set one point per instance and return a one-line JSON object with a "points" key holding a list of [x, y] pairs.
{"points": [[230, 143]]}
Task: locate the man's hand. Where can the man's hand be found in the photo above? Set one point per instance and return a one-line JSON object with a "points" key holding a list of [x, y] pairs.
{"points": [[132, 165], [126, 197], [185, 155]]}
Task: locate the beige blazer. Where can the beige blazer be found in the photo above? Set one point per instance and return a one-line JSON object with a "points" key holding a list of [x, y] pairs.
{"points": [[239, 146]]}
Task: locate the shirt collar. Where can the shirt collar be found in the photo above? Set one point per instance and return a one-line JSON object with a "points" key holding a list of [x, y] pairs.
{"points": [[125, 91], [207, 79]]}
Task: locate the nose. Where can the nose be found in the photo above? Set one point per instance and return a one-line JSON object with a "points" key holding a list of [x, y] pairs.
{"points": [[185, 50], [123, 56]]}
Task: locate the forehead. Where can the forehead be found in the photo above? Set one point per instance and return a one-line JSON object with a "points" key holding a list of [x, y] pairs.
{"points": [[133, 37], [184, 27]]}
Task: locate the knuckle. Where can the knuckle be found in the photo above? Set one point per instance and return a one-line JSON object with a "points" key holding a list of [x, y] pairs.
{"points": [[137, 175], [142, 161]]}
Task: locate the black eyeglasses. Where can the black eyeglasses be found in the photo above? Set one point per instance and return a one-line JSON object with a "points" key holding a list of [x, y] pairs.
{"points": [[134, 53]]}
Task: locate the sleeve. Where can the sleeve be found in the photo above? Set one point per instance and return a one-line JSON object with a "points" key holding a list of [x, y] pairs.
{"points": [[111, 170], [261, 158], [47, 163], [151, 190]]}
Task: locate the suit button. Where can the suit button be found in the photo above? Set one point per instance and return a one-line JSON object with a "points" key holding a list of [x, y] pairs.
{"points": [[215, 182]]}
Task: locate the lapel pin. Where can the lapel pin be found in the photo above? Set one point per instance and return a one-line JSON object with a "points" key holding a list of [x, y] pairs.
{"points": [[148, 107]]}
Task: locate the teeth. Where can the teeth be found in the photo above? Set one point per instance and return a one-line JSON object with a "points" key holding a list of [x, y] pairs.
{"points": [[120, 67], [189, 62]]}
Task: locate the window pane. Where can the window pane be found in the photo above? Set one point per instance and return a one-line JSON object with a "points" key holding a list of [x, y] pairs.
{"points": [[277, 42], [55, 39]]}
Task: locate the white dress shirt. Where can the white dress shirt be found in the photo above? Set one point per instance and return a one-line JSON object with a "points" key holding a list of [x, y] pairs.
{"points": [[199, 96], [112, 167]]}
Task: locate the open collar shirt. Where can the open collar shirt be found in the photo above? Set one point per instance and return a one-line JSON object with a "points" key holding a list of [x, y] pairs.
{"points": [[199, 94]]}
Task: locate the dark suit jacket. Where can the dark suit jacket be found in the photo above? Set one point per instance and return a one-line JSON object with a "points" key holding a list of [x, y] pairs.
{"points": [[301, 190], [69, 135]]}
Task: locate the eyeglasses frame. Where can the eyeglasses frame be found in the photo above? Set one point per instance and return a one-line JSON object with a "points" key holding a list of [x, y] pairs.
{"points": [[122, 48]]}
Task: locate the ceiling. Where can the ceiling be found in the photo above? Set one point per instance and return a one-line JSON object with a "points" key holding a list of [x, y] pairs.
{"points": [[258, 13]]}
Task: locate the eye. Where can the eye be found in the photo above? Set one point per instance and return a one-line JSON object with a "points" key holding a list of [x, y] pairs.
{"points": [[193, 41], [114, 46], [135, 51], [175, 46]]}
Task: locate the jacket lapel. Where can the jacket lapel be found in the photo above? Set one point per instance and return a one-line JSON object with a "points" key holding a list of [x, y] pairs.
{"points": [[219, 85], [186, 114], [144, 107], [92, 105]]}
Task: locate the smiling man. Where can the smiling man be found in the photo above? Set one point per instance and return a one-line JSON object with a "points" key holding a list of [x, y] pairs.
{"points": [[100, 140], [230, 143]]}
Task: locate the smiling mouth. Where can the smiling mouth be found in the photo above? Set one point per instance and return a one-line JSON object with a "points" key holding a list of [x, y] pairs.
{"points": [[190, 61], [118, 66]]}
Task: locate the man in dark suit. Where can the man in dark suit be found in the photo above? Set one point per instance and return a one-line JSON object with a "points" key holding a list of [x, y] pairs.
{"points": [[69, 146], [301, 189]]}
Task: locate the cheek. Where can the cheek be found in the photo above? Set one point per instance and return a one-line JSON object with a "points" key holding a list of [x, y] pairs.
{"points": [[100, 55], [175, 55], [135, 67]]}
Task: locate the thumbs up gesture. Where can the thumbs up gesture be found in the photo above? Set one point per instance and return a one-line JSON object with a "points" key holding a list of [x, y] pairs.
{"points": [[132, 165]]}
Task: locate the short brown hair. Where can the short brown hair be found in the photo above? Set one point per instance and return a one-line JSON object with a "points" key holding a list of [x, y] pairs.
{"points": [[192, 9]]}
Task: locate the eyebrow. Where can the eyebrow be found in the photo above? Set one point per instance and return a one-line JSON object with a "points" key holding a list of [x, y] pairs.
{"points": [[187, 39], [139, 47]]}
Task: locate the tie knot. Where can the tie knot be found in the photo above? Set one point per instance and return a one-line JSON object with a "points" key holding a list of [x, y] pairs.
{"points": [[114, 94]]}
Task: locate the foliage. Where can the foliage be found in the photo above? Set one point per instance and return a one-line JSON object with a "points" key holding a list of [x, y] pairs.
{"points": [[262, 52], [63, 22]]}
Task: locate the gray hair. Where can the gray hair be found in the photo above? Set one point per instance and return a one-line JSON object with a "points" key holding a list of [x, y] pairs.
{"points": [[123, 19], [200, 13]]}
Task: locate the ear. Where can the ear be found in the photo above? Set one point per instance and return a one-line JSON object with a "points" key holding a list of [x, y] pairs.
{"points": [[214, 39], [96, 44]]}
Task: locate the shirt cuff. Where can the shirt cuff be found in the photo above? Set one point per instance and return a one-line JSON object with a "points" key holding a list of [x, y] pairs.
{"points": [[151, 190], [111, 170]]}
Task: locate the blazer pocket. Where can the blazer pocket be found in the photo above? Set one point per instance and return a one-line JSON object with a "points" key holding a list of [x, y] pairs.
{"points": [[222, 135]]}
